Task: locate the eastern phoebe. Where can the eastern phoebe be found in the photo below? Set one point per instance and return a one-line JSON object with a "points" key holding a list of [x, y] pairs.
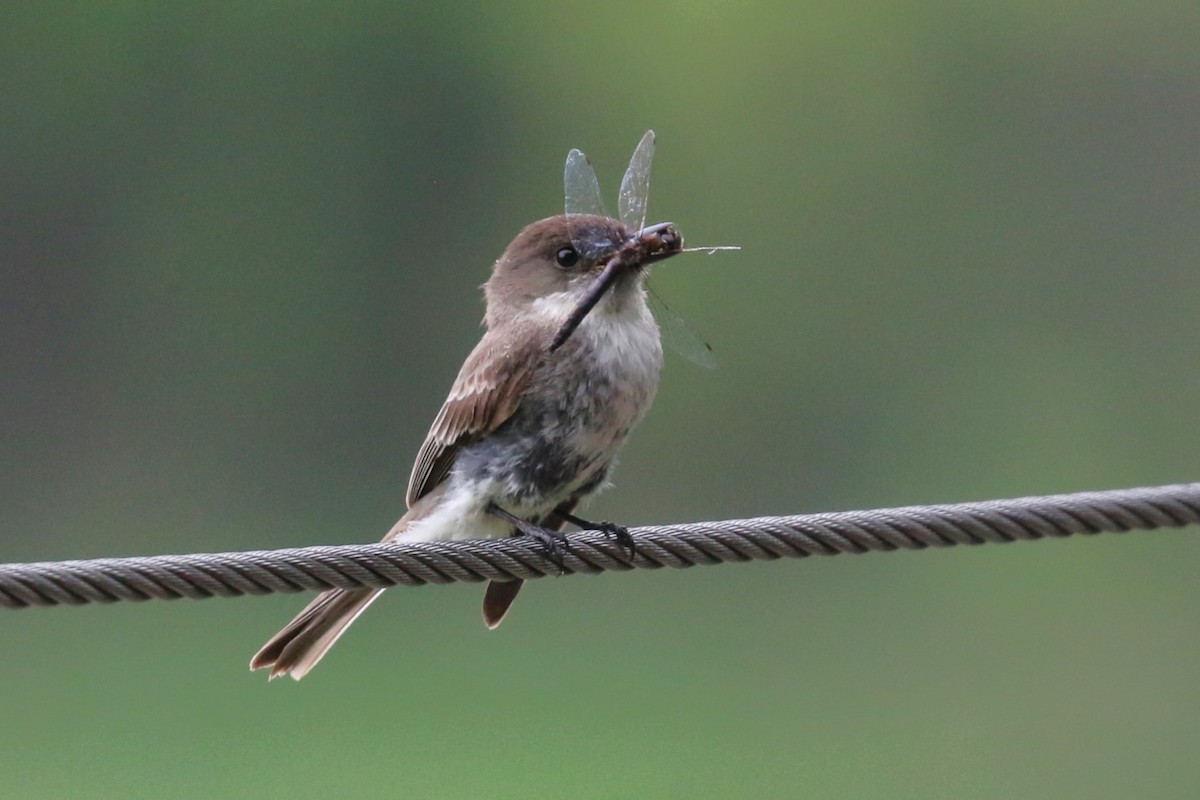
{"points": [[568, 366]]}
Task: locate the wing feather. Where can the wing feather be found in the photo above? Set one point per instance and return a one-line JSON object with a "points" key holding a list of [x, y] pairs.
{"points": [[485, 394]]}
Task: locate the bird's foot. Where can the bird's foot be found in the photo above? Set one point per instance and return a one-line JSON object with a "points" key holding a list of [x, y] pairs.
{"points": [[611, 530], [553, 543]]}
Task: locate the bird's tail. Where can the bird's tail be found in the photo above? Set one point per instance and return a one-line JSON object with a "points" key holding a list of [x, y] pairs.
{"points": [[298, 647], [306, 639]]}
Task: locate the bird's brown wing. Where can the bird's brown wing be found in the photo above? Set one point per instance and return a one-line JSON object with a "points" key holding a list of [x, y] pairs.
{"points": [[486, 392]]}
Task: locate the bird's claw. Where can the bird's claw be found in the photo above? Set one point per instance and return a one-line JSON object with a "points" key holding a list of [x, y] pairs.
{"points": [[620, 534], [553, 544]]}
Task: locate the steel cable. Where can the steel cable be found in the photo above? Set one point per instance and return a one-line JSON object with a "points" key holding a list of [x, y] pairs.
{"points": [[108, 580]]}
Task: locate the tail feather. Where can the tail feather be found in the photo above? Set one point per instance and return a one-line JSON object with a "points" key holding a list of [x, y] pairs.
{"points": [[298, 647], [306, 639], [497, 600]]}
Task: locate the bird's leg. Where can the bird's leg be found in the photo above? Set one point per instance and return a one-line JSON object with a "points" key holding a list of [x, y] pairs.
{"points": [[552, 542], [612, 530]]}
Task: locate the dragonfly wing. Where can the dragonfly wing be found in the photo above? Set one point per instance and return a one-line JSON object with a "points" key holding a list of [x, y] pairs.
{"points": [[581, 195], [678, 335], [635, 186], [581, 190]]}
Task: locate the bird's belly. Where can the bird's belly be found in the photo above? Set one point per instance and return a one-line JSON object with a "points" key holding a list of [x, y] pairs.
{"points": [[528, 473], [549, 453]]}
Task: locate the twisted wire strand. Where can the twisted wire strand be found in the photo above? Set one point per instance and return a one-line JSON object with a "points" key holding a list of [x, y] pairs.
{"points": [[108, 580]]}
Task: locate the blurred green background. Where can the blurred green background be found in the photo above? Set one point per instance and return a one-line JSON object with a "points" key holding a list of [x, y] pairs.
{"points": [[240, 246]]}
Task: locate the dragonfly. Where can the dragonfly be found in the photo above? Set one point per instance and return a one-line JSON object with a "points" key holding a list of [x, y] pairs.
{"points": [[582, 196]]}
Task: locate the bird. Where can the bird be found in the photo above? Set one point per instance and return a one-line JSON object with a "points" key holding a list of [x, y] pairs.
{"points": [[567, 366]]}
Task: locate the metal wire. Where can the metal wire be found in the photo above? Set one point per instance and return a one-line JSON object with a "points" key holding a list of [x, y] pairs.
{"points": [[108, 580]]}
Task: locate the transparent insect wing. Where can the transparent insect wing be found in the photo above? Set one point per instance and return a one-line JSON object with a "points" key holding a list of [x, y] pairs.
{"points": [[678, 335], [581, 193], [580, 187], [635, 186]]}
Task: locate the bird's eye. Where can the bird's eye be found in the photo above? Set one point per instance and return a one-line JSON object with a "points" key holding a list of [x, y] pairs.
{"points": [[566, 257]]}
